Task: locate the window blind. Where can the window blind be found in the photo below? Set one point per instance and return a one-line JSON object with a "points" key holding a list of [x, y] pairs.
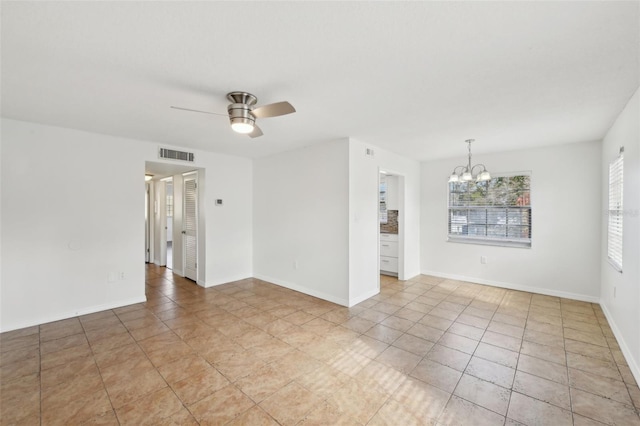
{"points": [[497, 211], [614, 229]]}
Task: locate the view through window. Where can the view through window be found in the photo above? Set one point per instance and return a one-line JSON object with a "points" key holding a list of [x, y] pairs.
{"points": [[497, 211]]}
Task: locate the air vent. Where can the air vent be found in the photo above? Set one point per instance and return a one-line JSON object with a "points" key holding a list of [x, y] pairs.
{"points": [[177, 155]]}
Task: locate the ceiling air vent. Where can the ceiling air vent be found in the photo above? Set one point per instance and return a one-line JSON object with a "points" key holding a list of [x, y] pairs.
{"points": [[172, 154]]}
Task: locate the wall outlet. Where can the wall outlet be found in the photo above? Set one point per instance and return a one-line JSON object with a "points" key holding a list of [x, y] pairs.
{"points": [[483, 260], [111, 277], [295, 264], [121, 276], [614, 292]]}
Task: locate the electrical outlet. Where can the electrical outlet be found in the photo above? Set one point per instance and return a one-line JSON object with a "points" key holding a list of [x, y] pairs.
{"points": [[483, 260], [614, 292], [111, 277], [295, 264], [121, 276]]}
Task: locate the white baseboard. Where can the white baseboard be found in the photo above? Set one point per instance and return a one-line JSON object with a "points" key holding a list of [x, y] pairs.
{"points": [[71, 314], [628, 354], [354, 301], [226, 280], [519, 287], [305, 290]]}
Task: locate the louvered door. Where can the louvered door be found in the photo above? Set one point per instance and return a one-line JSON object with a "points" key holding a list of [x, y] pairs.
{"points": [[190, 223]]}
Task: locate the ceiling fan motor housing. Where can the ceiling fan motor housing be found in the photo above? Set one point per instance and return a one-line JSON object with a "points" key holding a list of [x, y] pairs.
{"points": [[240, 109]]}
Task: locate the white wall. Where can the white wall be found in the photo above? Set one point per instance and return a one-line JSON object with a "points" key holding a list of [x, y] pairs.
{"points": [[229, 228], [623, 310], [300, 217], [565, 194], [364, 222], [73, 212]]}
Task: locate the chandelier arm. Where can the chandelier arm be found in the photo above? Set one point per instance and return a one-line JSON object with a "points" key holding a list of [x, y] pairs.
{"points": [[484, 169]]}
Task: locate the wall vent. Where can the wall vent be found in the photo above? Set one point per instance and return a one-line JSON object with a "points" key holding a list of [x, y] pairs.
{"points": [[172, 154]]}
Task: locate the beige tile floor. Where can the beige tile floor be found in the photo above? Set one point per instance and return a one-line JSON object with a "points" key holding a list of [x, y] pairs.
{"points": [[425, 351]]}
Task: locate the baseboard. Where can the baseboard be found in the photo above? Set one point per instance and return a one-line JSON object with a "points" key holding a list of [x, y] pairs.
{"points": [[519, 287], [354, 301], [71, 314], [628, 354], [305, 290], [226, 280]]}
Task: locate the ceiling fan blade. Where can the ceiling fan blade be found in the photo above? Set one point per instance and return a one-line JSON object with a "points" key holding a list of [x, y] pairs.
{"points": [[273, 110], [196, 110], [256, 132]]}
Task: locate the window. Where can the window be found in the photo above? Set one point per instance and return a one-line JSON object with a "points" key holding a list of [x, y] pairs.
{"points": [[495, 212], [614, 229]]}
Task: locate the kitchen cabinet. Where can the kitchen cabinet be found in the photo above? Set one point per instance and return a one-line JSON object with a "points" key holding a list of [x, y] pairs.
{"points": [[389, 254]]}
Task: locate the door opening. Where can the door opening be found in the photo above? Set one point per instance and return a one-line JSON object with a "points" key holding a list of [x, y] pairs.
{"points": [[391, 230], [169, 223], [147, 224]]}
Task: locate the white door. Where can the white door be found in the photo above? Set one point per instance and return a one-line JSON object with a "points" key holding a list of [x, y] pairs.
{"points": [[147, 242], [190, 226]]}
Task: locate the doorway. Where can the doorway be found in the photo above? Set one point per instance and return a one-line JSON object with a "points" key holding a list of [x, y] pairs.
{"points": [[169, 207], [391, 217], [165, 228]]}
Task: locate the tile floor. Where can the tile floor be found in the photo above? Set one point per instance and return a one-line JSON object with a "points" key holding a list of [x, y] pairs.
{"points": [[425, 351]]}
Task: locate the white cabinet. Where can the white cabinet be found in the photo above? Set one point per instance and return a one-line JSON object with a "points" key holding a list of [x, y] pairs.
{"points": [[389, 254]]}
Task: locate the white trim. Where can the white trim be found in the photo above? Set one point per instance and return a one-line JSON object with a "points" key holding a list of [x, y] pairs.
{"points": [[628, 354], [73, 314], [226, 280], [519, 287], [355, 300], [305, 290]]}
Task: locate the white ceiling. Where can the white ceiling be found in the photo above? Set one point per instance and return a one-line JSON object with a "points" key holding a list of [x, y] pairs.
{"points": [[417, 78]]}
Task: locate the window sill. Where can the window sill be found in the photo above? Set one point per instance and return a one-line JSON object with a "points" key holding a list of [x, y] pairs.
{"points": [[488, 242]]}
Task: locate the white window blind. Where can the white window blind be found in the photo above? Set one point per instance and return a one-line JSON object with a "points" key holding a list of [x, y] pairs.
{"points": [[614, 229], [497, 211]]}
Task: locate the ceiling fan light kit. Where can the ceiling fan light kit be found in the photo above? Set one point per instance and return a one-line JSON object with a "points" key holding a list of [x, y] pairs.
{"points": [[242, 113], [240, 116], [466, 173]]}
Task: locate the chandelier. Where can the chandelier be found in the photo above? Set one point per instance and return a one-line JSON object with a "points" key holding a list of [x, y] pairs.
{"points": [[466, 173]]}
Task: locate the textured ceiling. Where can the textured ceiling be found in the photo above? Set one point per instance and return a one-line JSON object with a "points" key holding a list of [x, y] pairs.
{"points": [[417, 78]]}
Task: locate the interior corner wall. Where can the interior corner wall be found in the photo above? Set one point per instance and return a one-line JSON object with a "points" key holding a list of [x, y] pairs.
{"points": [[300, 220], [620, 292], [565, 196], [73, 216], [364, 220]]}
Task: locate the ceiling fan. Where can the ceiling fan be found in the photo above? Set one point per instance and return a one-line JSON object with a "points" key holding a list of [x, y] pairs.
{"points": [[243, 113]]}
